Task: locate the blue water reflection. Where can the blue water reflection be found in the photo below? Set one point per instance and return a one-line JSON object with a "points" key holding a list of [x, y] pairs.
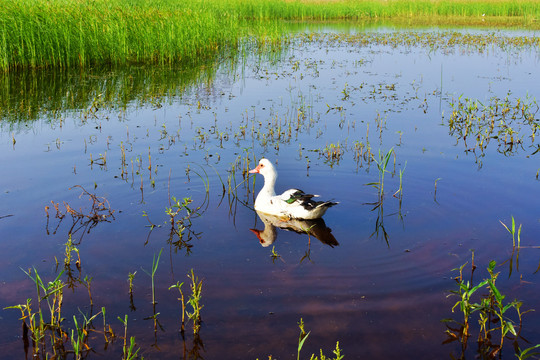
{"points": [[382, 292]]}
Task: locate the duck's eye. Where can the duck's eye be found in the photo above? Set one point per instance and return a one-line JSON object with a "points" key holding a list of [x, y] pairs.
{"points": [[262, 165]]}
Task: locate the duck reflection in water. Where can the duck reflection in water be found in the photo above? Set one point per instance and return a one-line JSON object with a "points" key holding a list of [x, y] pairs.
{"points": [[316, 228]]}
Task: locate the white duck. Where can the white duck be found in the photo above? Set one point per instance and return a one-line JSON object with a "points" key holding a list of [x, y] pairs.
{"points": [[293, 203]]}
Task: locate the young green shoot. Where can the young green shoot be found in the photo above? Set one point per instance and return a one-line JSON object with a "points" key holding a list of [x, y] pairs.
{"points": [[512, 231], [275, 255], [152, 274], [382, 164], [195, 302], [129, 352], [302, 338]]}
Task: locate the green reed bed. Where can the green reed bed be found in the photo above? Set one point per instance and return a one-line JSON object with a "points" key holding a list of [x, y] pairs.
{"points": [[62, 33], [28, 95], [350, 9]]}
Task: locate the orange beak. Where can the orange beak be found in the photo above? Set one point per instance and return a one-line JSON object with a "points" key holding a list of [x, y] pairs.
{"points": [[256, 170], [258, 234]]}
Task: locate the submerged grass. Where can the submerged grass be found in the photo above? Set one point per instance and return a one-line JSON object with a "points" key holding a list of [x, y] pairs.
{"points": [[62, 33]]}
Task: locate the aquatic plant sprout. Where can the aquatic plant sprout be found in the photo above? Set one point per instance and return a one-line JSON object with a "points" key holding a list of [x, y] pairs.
{"points": [[494, 315]]}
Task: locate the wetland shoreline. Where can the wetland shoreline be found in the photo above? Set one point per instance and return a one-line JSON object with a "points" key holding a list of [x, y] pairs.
{"points": [[59, 33]]}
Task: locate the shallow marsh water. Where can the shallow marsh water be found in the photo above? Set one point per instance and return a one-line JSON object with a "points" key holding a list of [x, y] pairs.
{"points": [[314, 106]]}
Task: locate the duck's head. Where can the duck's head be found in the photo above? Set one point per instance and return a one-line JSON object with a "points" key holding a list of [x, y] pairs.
{"points": [[264, 168], [267, 236]]}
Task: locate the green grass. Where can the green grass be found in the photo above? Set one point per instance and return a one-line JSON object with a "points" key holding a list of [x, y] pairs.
{"points": [[66, 33], [351, 9]]}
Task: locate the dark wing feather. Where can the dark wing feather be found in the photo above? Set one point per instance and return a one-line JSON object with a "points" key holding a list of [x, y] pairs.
{"points": [[299, 195], [306, 201]]}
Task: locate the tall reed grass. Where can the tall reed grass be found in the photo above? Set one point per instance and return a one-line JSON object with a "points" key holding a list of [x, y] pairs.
{"points": [[65, 33], [354, 9]]}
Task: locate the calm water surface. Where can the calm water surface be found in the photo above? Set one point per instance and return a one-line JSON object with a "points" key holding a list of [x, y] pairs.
{"points": [[381, 292]]}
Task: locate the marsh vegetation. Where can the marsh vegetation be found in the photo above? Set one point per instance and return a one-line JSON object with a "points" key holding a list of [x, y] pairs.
{"points": [[62, 34]]}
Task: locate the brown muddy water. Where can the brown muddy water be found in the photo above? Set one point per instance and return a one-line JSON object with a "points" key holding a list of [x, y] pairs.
{"points": [[458, 108]]}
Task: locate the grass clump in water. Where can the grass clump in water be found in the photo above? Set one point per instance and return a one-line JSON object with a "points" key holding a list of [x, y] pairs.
{"points": [[494, 319]]}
